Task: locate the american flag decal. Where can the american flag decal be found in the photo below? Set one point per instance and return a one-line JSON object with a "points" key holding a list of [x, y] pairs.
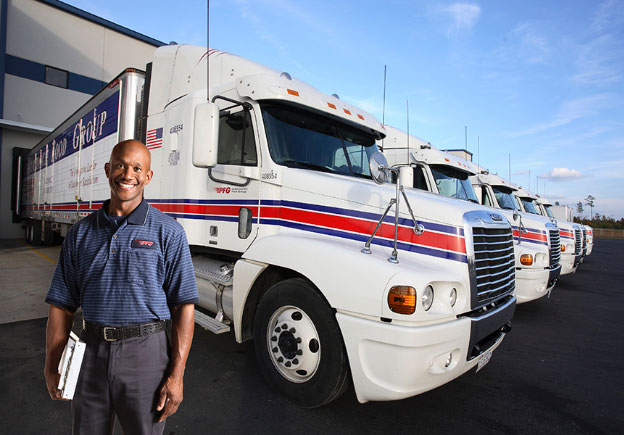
{"points": [[154, 138]]}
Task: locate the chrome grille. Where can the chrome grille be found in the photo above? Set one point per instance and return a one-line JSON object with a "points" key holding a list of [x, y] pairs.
{"points": [[555, 248], [577, 242], [584, 242], [494, 262]]}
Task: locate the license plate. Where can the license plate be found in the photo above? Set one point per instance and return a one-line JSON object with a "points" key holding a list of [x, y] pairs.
{"points": [[485, 358]]}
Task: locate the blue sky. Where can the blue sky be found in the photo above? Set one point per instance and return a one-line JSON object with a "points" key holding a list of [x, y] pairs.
{"points": [[539, 82]]}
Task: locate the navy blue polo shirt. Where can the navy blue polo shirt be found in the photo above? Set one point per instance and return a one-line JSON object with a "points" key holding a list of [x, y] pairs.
{"points": [[125, 271]]}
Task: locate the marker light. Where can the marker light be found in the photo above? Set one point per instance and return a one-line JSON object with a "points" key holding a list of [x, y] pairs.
{"points": [[562, 248], [526, 259], [402, 299], [333, 106], [291, 92], [427, 298], [453, 297]]}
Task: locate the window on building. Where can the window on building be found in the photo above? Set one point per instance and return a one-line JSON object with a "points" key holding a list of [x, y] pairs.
{"points": [[56, 77]]}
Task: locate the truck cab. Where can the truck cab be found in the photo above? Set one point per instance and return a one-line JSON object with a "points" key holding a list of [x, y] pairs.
{"points": [[571, 234], [536, 247]]}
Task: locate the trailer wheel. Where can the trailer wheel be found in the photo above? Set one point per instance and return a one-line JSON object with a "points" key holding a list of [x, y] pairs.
{"points": [[298, 344], [33, 232]]}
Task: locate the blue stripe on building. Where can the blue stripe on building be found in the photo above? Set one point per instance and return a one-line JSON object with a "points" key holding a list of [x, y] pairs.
{"points": [[28, 69]]}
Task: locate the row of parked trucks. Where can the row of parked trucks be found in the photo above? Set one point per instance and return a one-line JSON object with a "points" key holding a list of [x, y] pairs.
{"points": [[345, 249]]}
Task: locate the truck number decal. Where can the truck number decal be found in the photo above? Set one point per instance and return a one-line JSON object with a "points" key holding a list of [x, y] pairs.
{"points": [[269, 175], [176, 128]]}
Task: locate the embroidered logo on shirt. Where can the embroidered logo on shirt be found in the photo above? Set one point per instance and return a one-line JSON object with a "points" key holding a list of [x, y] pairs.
{"points": [[148, 244]]}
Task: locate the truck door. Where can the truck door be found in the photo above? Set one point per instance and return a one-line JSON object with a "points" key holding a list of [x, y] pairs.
{"points": [[234, 183]]}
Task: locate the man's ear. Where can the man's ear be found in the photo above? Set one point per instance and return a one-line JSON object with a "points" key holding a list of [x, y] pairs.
{"points": [[106, 168], [149, 174]]}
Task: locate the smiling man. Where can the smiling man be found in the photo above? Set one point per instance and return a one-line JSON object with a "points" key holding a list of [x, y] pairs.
{"points": [[128, 266]]}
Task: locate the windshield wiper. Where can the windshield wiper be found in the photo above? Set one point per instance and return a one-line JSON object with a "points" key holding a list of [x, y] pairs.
{"points": [[306, 165]]}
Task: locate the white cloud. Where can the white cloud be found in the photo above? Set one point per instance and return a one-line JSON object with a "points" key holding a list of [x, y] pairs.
{"points": [[463, 16], [570, 111], [598, 61], [562, 174], [609, 14]]}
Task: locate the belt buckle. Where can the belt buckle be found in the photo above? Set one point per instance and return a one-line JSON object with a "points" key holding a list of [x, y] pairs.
{"points": [[106, 330]]}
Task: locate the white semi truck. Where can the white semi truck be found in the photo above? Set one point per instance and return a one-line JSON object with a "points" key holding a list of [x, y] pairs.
{"points": [[536, 244], [572, 245], [546, 208], [281, 191]]}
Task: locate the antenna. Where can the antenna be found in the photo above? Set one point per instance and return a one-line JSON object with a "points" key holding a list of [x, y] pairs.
{"points": [[509, 166], [408, 135], [466, 137], [478, 154], [383, 112]]}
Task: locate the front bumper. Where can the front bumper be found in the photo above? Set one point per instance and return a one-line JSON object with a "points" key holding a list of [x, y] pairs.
{"points": [[568, 264], [391, 362], [532, 284]]}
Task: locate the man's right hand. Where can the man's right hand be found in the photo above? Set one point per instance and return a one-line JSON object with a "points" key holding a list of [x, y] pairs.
{"points": [[52, 380], [57, 332]]}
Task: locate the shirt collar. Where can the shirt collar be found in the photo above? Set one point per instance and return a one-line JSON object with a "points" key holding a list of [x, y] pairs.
{"points": [[137, 217]]}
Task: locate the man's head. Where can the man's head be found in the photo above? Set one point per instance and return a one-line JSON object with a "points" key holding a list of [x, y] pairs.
{"points": [[128, 172]]}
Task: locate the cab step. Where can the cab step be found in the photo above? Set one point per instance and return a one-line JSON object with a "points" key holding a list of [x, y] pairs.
{"points": [[210, 324]]}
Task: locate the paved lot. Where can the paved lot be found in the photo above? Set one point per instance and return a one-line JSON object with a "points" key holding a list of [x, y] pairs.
{"points": [[559, 371]]}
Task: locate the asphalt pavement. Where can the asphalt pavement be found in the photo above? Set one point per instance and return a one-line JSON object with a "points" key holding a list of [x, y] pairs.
{"points": [[559, 371]]}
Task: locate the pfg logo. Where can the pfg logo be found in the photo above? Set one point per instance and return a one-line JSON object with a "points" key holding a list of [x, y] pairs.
{"points": [[225, 190]]}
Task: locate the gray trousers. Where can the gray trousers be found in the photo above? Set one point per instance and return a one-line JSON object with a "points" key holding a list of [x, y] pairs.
{"points": [[120, 380]]}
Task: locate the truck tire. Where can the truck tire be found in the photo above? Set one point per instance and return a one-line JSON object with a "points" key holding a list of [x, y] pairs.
{"points": [[298, 344], [33, 232]]}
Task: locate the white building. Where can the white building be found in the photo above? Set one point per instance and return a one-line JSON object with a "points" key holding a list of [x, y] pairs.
{"points": [[53, 58]]}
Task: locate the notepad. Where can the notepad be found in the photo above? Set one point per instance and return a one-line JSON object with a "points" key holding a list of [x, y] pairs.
{"points": [[69, 366]]}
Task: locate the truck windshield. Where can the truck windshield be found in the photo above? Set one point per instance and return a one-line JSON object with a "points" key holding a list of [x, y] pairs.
{"points": [[548, 211], [453, 183], [302, 139], [528, 205], [504, 197]]}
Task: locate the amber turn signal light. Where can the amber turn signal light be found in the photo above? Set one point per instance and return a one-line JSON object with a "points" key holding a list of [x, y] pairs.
{"points": [[402, 299], [562, 248], [526, 259]]}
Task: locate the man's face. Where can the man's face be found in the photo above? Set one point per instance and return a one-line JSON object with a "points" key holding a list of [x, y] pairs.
{"points": [[128, 172]]}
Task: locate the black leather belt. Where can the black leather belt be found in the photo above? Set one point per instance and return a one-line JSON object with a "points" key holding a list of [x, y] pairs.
{"points": [[114, 333]]}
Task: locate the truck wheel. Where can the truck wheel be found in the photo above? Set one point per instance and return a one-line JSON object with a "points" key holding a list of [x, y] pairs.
{"points": [[33, 232], [298, 344]]}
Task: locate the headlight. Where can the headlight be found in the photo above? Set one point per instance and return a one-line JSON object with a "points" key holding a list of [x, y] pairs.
{"points": [[402, 299], [526, 259], [453, 297], [427, 298]]}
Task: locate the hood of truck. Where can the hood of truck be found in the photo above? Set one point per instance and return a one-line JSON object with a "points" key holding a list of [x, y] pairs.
{"points": [[359, 199]]}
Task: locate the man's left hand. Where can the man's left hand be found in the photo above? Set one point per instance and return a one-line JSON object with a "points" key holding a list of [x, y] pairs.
{"points": [[170, 397]]}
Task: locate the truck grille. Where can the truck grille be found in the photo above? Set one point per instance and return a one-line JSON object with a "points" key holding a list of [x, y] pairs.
{"points": [[555, 248], [584, 242], [577, 242], [494, 263]]}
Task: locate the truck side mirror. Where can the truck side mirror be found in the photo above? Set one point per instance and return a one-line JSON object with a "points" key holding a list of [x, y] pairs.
{"points": [[378, 167], [206, 135], [406, 175]]}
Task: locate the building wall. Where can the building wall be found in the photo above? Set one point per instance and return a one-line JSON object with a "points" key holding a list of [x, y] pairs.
{"points": [[42, 33]]}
